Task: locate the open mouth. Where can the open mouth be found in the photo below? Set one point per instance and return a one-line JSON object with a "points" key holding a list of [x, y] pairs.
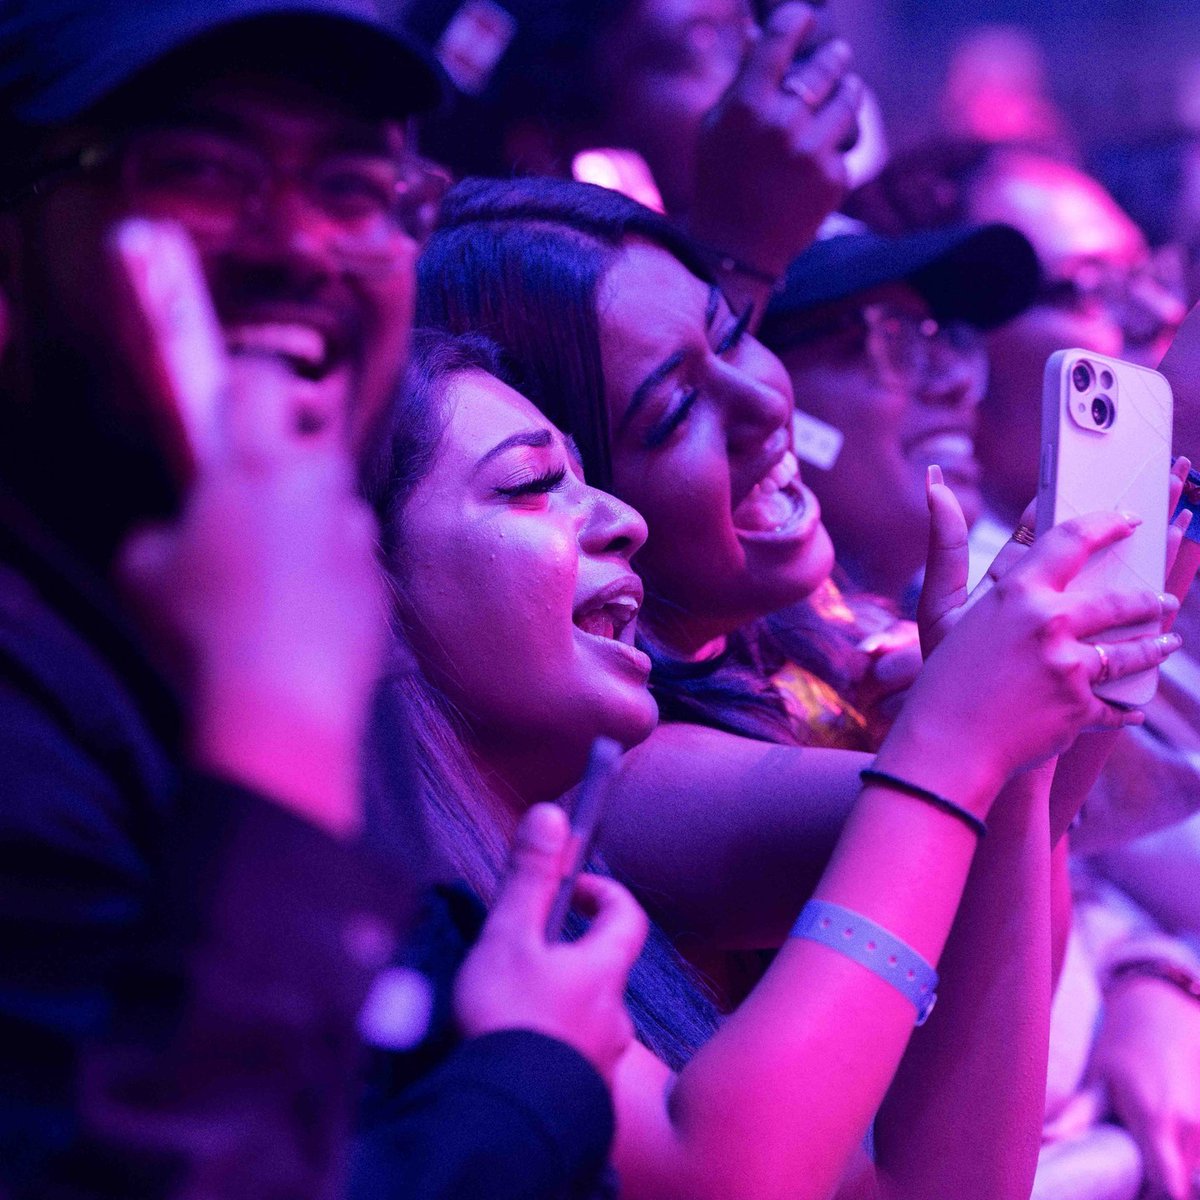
{"points": [[951, 449], [308, 352], [611, 613], [778, 504]]}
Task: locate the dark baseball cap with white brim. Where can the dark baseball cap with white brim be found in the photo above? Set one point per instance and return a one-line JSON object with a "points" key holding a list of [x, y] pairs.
{"points": [[61, 58], [983, 275]]}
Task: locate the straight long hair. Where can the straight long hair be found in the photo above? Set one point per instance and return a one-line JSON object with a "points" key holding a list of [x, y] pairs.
{"points": [[671, 1012]]}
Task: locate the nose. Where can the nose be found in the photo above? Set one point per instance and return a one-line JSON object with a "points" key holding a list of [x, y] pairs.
{"points": [[755, 407], [611, 527], [958, 383], [286, 227]]}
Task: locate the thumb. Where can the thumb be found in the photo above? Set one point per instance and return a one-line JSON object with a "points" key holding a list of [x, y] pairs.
{"points": [[535, 869], [945, 588]]}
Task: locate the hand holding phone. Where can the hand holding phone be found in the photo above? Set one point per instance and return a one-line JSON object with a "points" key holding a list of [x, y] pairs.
{"points": [[1106, 445], [585, 820], [171, 335]]}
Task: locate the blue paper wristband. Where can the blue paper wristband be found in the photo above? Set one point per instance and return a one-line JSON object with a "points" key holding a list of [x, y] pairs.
{"points": [[871, 946]]}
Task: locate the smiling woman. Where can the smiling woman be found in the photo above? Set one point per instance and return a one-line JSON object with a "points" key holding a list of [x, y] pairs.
{"points": [[614, 330], [512, 579], [503, 539]]}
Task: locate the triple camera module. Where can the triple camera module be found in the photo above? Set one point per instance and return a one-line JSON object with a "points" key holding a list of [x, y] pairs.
{"points": [[1094, 396]]}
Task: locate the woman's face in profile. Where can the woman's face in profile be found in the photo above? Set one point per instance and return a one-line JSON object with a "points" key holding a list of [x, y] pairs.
{"points": [[519, 590], [700, 418]]}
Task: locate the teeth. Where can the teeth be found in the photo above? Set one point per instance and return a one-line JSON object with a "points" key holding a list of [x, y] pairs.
{"points": [[299, 342], [948, 445], [610, 619], [768, 511]]}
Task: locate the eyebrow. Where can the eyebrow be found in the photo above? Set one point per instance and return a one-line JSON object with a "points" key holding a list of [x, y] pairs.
{"points": [[644, 389], [539, 439]]}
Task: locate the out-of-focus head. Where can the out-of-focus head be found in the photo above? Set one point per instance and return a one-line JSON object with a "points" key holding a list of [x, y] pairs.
{"points": [[1099, 289], [882, 338], [616, 331], [273, 133], [540, 80], [513, 579]]}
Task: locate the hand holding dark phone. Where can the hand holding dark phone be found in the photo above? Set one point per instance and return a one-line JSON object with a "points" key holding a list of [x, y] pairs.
{"points": [[585, 820]]}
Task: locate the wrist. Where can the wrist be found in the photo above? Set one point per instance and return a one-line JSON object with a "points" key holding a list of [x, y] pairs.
{"points": [[939, 765]]}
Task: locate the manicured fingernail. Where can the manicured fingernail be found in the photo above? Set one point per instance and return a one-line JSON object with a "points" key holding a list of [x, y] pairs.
{"points": [[1182, 520], [933, 477], [1169, 642], [1168, 602], [1132, 519]]}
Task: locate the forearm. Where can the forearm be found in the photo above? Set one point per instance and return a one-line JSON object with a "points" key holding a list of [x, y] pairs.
{"points": [[729, 836], [964, 1114], [776, 1103]]}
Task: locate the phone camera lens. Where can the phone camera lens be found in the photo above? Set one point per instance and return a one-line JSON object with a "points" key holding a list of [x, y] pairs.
{"points": [[1102, 412], [1081, 376], [1106, 379]]}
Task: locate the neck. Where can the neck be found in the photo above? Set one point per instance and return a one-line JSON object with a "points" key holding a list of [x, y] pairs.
{"points": [[520, 777]]}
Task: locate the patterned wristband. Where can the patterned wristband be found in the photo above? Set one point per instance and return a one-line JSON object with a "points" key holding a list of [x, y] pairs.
{"points": [[871, 946]]}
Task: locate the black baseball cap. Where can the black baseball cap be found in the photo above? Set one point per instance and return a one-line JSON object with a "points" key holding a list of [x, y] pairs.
{"points": [[984, 275], [60, 58]]}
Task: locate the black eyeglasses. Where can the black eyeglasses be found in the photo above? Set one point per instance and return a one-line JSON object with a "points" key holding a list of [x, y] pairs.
{"points": [[215, 185]]}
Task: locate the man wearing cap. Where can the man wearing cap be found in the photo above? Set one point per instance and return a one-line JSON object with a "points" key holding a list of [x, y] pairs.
{"points": [[881, 339], [176, 1006]]}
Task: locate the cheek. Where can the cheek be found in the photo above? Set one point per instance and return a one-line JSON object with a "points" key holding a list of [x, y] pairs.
{"points": [[494, 610]]}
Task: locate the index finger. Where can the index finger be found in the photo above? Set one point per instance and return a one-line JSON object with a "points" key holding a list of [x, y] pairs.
{"points": [[774, 53], [1061, 553]]}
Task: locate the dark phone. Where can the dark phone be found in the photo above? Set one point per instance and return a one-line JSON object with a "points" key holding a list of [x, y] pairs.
{"points": [[585, 820], [1190, 500]]}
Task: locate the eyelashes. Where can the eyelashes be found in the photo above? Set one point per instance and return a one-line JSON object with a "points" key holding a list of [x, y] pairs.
{"points": [[538, 485], [664, 428], [735, 335], [667, 426]]}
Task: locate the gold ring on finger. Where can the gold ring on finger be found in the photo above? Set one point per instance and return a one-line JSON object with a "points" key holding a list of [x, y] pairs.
{"points": [[1023, 535]]}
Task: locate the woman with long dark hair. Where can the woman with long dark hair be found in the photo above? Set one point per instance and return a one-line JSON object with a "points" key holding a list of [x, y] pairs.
{"points": [[513, 583]]}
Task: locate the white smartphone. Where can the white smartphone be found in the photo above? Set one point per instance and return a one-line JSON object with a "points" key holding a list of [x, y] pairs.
{"points": [[173, 337], [1106, 444]]}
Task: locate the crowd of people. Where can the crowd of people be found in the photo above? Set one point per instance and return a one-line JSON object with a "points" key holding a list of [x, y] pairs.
{"points": [[394, 415]]}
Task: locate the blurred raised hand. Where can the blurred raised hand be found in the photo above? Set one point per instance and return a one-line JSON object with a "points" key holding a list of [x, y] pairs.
{"points": [[573, 991]]}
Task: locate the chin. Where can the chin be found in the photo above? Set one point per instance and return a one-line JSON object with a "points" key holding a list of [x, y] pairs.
{"points": [[631, 722]]}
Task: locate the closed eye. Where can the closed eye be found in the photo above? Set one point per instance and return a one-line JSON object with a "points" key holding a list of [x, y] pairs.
{"points": [[735, 335], [667, 426], [537, 485]]}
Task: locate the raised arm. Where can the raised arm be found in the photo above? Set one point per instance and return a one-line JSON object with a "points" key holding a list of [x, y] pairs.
{"points": [[777, 1102]]}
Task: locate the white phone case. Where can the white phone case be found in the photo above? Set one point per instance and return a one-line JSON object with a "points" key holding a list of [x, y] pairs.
{"points": [[1123, 467]]}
